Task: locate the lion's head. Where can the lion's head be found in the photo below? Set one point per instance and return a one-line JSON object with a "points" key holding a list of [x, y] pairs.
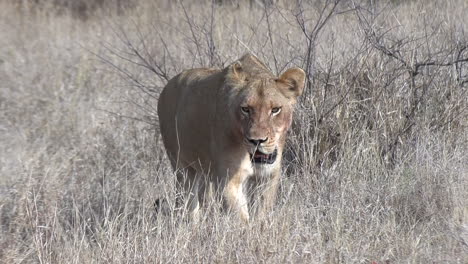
{"points": [[263, 106]]}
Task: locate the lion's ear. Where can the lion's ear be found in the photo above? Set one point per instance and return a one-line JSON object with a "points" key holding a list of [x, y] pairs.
{"points": [[235, 71], [236, 68], [294, 79]]}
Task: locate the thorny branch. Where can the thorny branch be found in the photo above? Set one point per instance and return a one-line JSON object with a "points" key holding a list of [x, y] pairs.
{"points": [[454, 57]]}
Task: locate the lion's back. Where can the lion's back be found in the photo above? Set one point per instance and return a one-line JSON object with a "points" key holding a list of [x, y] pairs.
{"points": [[184, 109]]}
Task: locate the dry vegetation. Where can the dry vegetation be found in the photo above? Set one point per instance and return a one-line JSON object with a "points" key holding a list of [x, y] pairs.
{"points": [[377, 168]]}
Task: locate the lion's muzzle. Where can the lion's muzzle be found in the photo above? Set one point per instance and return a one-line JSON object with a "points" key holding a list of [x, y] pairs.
{"points": [[262, 158], [261, 154]]}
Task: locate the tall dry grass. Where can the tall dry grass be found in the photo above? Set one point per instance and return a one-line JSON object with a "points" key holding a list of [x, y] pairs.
{"points": [[377, 164]]}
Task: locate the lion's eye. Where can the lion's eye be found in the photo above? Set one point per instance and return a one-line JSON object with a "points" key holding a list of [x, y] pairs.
{"points": [[245, 110], [275, 110]]}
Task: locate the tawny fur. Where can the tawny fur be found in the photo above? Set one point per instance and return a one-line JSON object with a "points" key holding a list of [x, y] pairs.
{"points": [[209, 119]]}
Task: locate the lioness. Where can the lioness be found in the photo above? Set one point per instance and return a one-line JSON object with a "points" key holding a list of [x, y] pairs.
{"points": [[228, 127]]}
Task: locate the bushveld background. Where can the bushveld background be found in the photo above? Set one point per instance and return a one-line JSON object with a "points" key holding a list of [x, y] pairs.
{"points": [[377, 165]]}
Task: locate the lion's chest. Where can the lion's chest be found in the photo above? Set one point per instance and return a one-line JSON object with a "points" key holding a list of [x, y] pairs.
{"points": [[240, 168], [246, 167]]}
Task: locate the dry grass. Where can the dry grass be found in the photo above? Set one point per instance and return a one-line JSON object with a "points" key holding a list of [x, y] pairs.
{"points": [[377, 168]]}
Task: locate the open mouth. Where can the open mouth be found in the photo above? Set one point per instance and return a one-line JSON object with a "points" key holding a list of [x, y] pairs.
{"points": [[260, 157]]}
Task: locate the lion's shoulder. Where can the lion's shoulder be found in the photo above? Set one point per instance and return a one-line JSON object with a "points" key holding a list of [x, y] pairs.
{"points": [[197, 74]]}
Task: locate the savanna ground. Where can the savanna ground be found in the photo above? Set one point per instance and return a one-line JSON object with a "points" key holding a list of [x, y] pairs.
{"points": [[377, 164]]}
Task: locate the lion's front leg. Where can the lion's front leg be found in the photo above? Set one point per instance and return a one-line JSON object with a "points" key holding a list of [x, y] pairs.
{"points": [[269, 192], [234, 194]]}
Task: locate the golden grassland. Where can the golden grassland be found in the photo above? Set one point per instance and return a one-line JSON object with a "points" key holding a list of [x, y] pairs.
{"points": [[376, 168]]}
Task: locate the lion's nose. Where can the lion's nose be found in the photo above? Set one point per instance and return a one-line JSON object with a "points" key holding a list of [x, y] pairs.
{"points": [[257, 142]]}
